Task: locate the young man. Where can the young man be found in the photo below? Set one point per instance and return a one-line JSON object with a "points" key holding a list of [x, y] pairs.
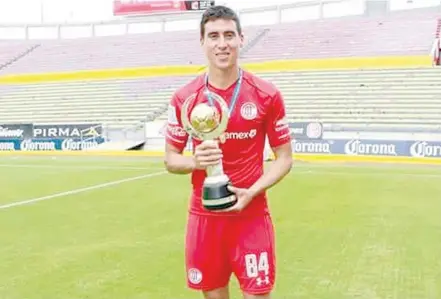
{"points": [[240, 239]]}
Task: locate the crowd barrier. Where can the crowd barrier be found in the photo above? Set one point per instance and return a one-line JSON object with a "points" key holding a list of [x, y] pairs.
{"points": [[356, 150], [64, 144], [326, 150], [308, 144]]}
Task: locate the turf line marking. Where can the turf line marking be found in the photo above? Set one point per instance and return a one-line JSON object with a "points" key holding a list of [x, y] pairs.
{"points": [[76, 167], [80, 190]]}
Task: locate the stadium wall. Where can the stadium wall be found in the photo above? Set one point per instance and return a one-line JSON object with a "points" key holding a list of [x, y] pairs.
{"points": [[306, 148], [258, 67]]}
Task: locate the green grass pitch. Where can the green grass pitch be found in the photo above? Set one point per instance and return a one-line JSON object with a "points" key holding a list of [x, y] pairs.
{"points": [[343, 232]]}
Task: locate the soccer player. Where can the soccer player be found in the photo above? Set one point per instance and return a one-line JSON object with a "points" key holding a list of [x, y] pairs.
{"points": [[238, 240]]}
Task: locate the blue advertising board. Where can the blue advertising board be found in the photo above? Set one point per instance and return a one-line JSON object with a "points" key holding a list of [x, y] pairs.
{"points": [[358, 147], [69, 144], [366, 147]]}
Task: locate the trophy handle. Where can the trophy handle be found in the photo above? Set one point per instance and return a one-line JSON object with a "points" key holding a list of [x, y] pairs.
{"points": [[216, 195], [214, 170]]}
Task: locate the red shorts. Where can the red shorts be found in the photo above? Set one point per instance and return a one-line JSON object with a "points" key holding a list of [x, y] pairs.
{"points": [[218, 246]]}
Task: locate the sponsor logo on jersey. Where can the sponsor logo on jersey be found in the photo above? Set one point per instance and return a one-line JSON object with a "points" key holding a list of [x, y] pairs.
{"points": [[176, 131], [248, 111], [355, 147], [194, 276], [421, 149], [238, 135]]}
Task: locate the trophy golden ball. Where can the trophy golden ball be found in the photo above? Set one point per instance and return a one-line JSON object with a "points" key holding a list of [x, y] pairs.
{"points": [[204, 118]]}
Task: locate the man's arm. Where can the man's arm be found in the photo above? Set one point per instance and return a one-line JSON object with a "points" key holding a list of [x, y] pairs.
{"points": [[205, 154], [175, 140], [278, 133], [278, 170], [175, 162]]}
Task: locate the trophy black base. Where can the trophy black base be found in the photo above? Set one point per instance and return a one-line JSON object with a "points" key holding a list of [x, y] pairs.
{"points": [[216, 196]]}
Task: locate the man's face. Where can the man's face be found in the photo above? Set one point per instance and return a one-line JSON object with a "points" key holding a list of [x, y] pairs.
{"points": [[221, 43]]}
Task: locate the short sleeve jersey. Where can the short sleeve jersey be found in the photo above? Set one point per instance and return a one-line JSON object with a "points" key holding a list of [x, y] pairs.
{"points": [[259, 113]]}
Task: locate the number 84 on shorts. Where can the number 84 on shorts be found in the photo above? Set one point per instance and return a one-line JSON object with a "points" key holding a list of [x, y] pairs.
{"points": [[258, 266], [217, 248]]}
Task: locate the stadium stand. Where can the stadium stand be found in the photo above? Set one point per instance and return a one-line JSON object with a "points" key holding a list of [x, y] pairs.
{"points": [[137, 50], [110, 52], [400, 33], [115, 102], [376, 100], [335, 37], [12, 51]]}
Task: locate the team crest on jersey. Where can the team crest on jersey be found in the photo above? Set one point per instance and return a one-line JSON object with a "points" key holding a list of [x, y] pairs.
{"points": [[248, 111], [194, 276]]}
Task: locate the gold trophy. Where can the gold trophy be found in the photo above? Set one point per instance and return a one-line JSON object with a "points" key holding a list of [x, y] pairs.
{"points": [[206, 123]]}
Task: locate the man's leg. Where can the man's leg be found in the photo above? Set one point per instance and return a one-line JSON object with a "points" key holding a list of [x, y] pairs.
{"points": [[220, 293], [208, 269], [252, 250], [263, 296]]}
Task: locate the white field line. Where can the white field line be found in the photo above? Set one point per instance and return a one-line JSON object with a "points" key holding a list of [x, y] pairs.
{"points": [[80, 190], [118, 182], [64, 166]]}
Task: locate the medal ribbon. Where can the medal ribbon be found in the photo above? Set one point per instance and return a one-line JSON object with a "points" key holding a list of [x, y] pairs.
{"points": [[235, 93]]}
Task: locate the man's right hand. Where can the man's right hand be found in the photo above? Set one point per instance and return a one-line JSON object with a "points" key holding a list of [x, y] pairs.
{"points": [[207, 154]]}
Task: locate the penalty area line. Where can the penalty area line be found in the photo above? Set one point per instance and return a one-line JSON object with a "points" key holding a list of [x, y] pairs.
{"points": [[80, 190]]}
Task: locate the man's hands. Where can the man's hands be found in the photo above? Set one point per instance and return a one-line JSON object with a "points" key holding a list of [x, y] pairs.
{"points": [[244, 197], [207, 154]]}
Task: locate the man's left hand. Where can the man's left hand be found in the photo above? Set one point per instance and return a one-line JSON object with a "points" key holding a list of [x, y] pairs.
{"points": [[244, 197]]}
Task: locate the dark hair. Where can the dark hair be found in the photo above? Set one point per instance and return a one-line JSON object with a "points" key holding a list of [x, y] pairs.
{"points": [[219, 12]]}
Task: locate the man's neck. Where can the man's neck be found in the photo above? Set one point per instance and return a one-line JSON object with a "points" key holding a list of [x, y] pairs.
{"points": [[222, 79]]}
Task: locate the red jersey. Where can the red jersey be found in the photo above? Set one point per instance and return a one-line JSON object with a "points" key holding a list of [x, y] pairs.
{"points": [[259, 113]]}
